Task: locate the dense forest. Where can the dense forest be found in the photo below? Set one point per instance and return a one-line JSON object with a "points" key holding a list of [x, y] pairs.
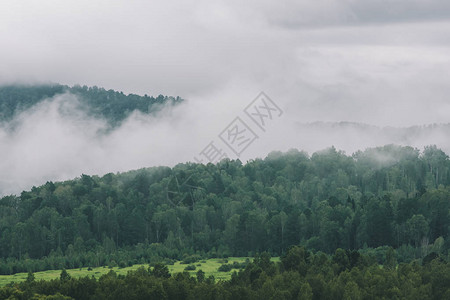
{"points": [[111, 105], [301, 275], [382, 199]]}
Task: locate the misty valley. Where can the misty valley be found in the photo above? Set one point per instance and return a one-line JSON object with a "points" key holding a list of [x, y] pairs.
{"points": [[224, 150], [370, 225]]}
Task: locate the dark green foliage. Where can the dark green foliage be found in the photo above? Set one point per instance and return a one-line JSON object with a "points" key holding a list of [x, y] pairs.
{"points": [[190, 259], [160, 271], [200, 276], [64, 276], [108, 104], [300, 275], [391, 258], [295, 260], [30, 277], [429, 258], [367, 203], [190, 268], [225, 268], [234, 265]]}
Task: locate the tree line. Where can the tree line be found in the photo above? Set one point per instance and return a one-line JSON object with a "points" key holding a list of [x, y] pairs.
{"points": [[383, 197], [113, 106], [300, 274]]}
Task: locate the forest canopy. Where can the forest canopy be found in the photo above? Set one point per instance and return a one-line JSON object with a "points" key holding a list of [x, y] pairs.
{"points": [[382, 198], [110, 105], [299, 275]]}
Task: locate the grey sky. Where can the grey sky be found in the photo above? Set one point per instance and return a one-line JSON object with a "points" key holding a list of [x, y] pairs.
{"points": [[190, 47], [384, 63]]}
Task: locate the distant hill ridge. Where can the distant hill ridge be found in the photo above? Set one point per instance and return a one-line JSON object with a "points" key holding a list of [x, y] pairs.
{"points": [[112, 105], [361, 135], [357, 125]]}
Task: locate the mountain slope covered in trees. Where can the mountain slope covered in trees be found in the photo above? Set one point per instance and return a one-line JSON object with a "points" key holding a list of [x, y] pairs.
{"points": [[383, 197], [108, 104]]}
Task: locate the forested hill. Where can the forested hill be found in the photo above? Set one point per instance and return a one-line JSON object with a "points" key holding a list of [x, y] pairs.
{"points": [[390, 196], [112, 105]]}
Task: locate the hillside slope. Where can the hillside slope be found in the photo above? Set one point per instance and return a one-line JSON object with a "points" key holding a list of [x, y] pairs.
{"points": [[111, 105], [388, 196]]}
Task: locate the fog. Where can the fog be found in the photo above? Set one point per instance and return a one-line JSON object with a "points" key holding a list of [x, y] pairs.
{"points": [[385, 65]]}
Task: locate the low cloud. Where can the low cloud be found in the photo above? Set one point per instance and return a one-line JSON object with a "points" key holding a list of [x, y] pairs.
{"points": [[382, 63], [58, 140]]}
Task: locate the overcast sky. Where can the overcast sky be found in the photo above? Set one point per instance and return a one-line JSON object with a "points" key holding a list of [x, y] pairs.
{"points": [[323, 53], [385, 63]]}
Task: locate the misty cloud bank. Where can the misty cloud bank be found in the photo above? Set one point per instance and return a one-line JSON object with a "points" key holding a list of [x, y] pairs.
{"points": [[380, 63], [57, 140]]}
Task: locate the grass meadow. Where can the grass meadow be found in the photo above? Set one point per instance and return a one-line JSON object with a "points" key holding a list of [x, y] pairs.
{"points": [[209, 266]]}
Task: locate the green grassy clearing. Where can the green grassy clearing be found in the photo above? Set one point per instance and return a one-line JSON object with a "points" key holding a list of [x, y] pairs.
{"points": [[209, 266]]}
